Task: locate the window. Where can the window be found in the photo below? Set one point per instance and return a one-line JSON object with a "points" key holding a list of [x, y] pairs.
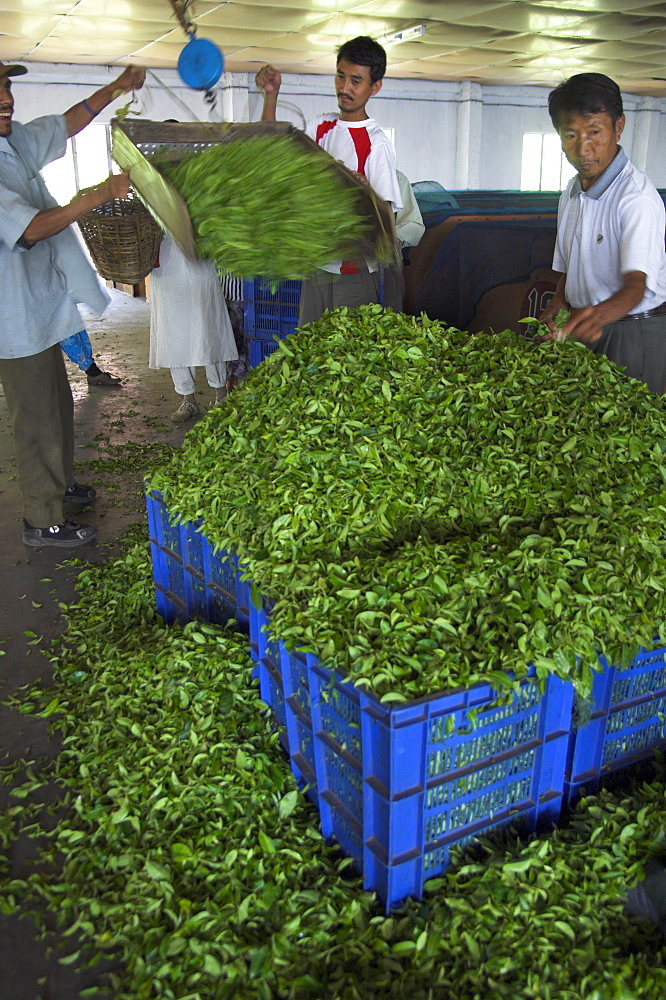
{"points": [[86, 162], [390, 133], [545, 167]]}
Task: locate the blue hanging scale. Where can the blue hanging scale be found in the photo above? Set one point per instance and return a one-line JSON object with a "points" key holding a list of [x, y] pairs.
{"points": [[200, 63]]}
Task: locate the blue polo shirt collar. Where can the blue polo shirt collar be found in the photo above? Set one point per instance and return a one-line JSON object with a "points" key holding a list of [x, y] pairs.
{"points": [[601, 185]]}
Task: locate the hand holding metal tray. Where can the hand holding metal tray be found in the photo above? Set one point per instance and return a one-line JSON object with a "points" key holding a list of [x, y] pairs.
{"points": [[160, 198]]}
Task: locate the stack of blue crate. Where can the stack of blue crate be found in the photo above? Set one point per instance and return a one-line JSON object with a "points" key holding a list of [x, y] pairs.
{"points": [[399, 786], [268, 313]]}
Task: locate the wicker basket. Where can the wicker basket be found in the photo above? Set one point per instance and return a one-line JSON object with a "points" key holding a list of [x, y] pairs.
{"points": [[123, 239]]}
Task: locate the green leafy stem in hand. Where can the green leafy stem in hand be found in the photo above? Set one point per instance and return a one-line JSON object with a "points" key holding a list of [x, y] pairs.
{"points": [[538, 329]]}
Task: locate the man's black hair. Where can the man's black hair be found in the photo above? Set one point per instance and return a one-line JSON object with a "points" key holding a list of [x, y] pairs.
{"points": [[365, 51], [585, 94]]}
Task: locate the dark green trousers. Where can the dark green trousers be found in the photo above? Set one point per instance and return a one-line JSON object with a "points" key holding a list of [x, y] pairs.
{"points": [[41, 411]]}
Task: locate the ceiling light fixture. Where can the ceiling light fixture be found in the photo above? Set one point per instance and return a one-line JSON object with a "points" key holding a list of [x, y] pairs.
{"points": [[406, 35]]}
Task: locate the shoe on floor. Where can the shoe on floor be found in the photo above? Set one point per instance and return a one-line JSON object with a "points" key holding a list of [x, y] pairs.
{"points": [[79, 496], [67, 535], [220, 396], [105, 379], [185, 411]]}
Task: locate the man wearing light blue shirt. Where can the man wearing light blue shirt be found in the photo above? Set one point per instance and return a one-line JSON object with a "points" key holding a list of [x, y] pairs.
{"points": [[43, 275]]}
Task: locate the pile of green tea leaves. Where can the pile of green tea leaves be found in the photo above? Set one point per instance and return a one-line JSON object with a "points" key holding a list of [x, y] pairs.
{"points": [[265, 206], [427, 508], [183, 852]]}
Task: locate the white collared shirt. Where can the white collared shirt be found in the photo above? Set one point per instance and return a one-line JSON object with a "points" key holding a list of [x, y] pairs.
{"points": [[614, 227], [40, 286]]}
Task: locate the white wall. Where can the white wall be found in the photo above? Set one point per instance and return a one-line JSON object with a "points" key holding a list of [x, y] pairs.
{"points": [[50, 89], [508, 112], [462, 135], [423, 114]]}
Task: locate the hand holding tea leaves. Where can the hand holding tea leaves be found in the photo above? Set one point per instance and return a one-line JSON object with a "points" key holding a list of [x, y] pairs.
{"points": [[541, 330]]}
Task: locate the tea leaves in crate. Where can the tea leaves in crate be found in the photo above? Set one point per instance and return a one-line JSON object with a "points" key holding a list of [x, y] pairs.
{"points": [[426, 508]]}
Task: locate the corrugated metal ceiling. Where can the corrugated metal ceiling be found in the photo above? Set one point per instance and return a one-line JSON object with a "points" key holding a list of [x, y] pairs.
{"points": [[537, 42]]}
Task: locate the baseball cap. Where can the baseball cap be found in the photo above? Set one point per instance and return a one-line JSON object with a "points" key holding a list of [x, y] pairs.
{"points": [[12, 70]]}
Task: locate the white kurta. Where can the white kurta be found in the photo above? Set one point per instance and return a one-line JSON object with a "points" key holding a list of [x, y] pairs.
{"points": [[189, 320]]}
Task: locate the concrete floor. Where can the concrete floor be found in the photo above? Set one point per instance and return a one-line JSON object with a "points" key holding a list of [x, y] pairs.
{"points": [[33, 581]]}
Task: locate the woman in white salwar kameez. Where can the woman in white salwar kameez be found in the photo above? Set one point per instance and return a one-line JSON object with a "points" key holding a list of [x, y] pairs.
{"points": [[189, 326]]}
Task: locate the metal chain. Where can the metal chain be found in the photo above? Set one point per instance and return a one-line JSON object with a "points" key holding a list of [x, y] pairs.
{"points": [[180, 9]]}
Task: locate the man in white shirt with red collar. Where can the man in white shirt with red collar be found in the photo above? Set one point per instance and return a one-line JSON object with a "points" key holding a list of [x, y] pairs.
{"points": [[610, 236], [357, 141]]}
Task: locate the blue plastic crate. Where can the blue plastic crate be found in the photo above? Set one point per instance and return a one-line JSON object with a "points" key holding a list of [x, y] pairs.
{"points": [[257, 620], [163, 606], [166, 531], [290, 293], [192, 581], [278, 323], [170, 608], [301, 751], [400, 786], [194, 549], [260, 350], [243, 602], [220, 609], [226, 589], [259, 290], [344, 790], [289, 320], [197, 597], [348, 833], [292, 696], [270, 686], [151, 511], [269, 313], [262, 644], [295, 682], [173, 577], [221, 573], [266, 653], [627, 723], [296, 677], [263, 321]]}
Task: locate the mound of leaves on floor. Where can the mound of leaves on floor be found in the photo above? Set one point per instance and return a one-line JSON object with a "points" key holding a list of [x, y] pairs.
{"points": [[183, 850], [426, 508]]}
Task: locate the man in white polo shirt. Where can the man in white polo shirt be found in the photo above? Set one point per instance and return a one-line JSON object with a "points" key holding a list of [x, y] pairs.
{"points": [[357, 141], [610, 236]]}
